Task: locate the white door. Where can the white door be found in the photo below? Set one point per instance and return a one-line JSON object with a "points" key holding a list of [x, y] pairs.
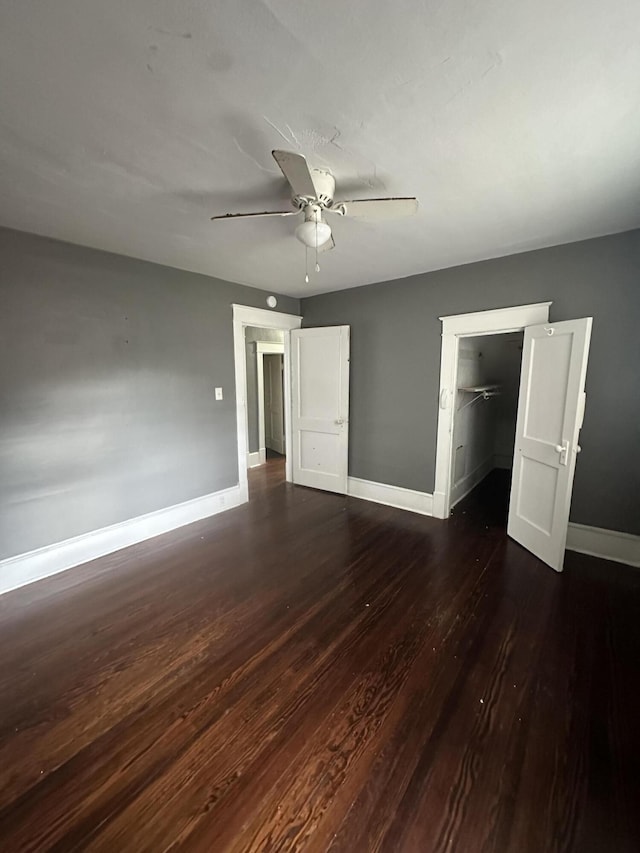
{"points": [[266, 379], [550, 412], [273, 403], [320, 407]]}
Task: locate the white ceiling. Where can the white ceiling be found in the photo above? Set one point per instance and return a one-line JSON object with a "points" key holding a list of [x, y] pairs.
{"points": [[125, 124]]}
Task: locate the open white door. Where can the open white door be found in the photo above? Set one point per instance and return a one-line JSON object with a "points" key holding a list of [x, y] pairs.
{"points": [[320, 407], [550, 413]]}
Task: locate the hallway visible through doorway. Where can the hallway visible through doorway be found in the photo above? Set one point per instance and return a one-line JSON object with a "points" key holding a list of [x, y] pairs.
{"points": [[263, 478], [264, 354]]}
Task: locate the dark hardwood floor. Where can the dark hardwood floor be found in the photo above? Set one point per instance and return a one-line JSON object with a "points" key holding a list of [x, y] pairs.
{"points": [[312, 672]]}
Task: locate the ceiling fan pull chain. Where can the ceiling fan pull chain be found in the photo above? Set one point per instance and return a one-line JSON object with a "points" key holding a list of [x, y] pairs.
{"points": [[317, 264], [306, 264]]}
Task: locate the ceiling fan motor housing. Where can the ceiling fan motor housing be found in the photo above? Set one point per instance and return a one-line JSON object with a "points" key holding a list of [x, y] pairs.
{"points": [[325, 185]]}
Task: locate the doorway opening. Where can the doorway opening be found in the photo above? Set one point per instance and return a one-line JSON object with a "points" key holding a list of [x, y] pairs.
{"points": [[245, 317], [455, 330], [551, 404], [272, 419], [484, 420], [264, 355]]}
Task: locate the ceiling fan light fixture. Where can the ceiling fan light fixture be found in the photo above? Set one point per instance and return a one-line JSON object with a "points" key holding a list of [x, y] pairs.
{"points": [[313, 234]]}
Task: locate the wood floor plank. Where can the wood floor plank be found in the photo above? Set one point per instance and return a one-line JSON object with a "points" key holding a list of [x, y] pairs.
{"points": [[313, 672]]}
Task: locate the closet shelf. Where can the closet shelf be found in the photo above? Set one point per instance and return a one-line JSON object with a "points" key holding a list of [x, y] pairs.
{"points": [[477, 389]]}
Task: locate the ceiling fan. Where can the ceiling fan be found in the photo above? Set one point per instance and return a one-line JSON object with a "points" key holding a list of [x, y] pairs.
{"points": [[313, 191]]}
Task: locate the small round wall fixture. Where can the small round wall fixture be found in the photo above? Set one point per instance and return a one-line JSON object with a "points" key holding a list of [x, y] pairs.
{"points": [[272, 301]]}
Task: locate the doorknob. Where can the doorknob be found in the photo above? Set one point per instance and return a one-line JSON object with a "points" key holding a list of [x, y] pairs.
{"points": [[563, 450]]}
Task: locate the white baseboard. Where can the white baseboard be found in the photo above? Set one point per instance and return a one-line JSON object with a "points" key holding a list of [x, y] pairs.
{"points": [[597, 542], [439, 505], [468, 483], [396, 496], [607, 544], [259, 457], [43, 562]]}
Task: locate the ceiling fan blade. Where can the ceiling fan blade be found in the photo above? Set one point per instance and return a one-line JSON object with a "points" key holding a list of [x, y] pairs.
{"points": [[326, 247], [377, 208], [296, 170], [250, 215]]}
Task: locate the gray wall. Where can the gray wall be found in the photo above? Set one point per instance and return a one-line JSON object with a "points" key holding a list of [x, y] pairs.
{"points": [[252, 335], [107, 371], [395, 362]]}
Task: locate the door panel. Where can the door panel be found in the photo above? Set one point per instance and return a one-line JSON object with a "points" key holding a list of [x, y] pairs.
{"points": [[550, 410], [320, 404], [321, 387], [536, 481], [320, 450], [551, 357]]}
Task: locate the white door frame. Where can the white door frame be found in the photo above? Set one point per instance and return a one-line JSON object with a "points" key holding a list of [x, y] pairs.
{"points": [[493, 322], [244, 315], [264, 348]]}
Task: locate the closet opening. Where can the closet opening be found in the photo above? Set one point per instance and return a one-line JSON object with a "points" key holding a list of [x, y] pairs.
{"points": [[484, 420]]}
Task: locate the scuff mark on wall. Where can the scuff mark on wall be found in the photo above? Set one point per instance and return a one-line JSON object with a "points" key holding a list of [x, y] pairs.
{"points": [[334, 139], [497, 62], [459, 91], [422, 77], [153, 52], [308, 138], [253, 159], [372, 182], [277, 130], [320, 145], [293, 136], [170, 33]]}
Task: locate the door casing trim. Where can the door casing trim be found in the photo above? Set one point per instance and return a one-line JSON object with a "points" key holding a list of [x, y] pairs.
{"points": [[245, 315], [492, 322]]}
